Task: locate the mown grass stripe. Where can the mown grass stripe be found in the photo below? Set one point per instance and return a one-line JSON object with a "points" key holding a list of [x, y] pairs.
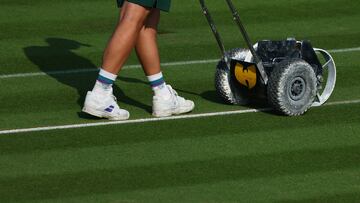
{"points": [[146, 120], [169, 64]]}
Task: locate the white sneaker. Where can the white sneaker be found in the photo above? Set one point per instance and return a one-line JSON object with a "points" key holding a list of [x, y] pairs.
{"points": [[172, 106], [104, 106]]}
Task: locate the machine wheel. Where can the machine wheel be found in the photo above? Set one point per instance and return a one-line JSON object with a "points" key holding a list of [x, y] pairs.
{"points": [[292, 87], [226, 86]]}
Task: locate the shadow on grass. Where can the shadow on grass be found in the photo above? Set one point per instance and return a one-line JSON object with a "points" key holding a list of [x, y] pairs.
{"points": [[186, 173], [258, 102], [213, 96], [59, 55]]}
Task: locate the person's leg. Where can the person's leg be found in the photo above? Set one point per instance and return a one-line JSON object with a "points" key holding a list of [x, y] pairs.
{"points": [[146, 44], [100, 101], [124, 38], [166, 102], [148, 53]]}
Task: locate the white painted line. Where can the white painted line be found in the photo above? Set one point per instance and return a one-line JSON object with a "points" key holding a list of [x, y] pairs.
{"points": [[88, 70], [344, 50], [64, 72], [342, 102], [170, 64], [143, 120], [146, 120]]}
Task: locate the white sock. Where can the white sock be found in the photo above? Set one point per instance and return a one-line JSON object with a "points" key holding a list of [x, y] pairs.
{"points": [[102, 88], [104, 82], [158, 85]]}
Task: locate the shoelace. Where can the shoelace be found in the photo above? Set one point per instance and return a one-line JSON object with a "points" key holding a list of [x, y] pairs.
{"points": [[176, 96], [175, 93], [113, 96], [172, 90]]}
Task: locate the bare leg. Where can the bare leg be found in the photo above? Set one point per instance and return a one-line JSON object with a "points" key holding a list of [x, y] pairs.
{"points": [[124, 38], [137, 28], [166, 102], [100, 101], [146, 44]]}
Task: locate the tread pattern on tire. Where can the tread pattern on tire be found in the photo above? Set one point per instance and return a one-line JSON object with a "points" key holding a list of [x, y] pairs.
{"points": [[276, 86], [226, 88]]}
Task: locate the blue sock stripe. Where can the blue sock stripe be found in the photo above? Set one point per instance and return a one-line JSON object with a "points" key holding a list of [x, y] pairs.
{"points": [[157, 82], [105, 80]]}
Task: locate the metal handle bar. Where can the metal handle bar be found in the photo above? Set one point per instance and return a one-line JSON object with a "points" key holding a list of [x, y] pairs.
{"points": [[213, 27], [246, 37]]}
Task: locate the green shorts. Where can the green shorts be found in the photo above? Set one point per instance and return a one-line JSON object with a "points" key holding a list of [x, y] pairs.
{"points": [[163, 5]]}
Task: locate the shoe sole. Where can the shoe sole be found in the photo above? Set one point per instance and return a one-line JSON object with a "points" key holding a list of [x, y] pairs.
{"points": [[100, 114], [171, 112]]}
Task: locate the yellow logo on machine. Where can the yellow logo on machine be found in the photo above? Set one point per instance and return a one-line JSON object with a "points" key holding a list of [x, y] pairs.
{"points": [[246, 75]]}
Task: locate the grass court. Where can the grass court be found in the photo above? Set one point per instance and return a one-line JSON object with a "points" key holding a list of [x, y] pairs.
{"points": [[49, 54]]}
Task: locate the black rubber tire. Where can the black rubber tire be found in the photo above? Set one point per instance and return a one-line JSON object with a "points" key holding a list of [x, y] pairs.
{"points": [[292, 87], [226, 87]]}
